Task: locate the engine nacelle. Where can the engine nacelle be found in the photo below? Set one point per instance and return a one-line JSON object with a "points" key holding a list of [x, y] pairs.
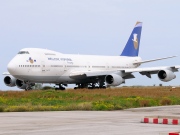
{"points": [[20, 84], [114, 80], [166, 75], [9, 81]]}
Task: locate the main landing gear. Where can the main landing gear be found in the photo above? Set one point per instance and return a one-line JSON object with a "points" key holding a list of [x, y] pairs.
{"points": [[61, 87], [90, 86], [81, 86], [28, 86]]}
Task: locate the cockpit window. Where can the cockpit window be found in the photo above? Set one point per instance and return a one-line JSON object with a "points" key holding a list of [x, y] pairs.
{"points": [[23, 52]]}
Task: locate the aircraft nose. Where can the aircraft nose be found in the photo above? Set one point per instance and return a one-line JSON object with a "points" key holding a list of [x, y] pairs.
{"points": [[11, 67]]}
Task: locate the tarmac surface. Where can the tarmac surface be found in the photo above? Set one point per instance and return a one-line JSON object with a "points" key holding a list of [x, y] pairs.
{"points": [[126, 122]]}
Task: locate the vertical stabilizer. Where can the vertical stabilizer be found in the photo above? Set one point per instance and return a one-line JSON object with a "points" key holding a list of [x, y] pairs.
{"points": [[132, 47]]}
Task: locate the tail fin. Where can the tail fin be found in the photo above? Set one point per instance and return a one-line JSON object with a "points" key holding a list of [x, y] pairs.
{"points": [[132, 47]]}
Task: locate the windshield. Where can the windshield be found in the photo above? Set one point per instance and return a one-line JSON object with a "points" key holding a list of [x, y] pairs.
{"points": [[23, 52]]}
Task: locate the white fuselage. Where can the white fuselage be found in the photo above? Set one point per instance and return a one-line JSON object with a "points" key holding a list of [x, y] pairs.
{"points": [[45, 66]]}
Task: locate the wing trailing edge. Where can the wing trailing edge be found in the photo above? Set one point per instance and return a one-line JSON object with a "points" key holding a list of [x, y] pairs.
{"points": [[146, 61]]}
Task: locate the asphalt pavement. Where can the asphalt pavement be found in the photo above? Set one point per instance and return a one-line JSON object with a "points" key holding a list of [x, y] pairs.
{"points": [[124, 122]]}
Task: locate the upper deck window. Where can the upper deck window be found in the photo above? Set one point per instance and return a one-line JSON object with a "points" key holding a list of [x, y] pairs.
{"points": [[23, 52], [50, 54]]}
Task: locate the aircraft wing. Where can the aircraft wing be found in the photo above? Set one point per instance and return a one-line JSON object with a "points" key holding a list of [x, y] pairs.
{"points": [[152, 70], [92, 74], [146, 61], [6, 73], [84, 74], [125, 73]]}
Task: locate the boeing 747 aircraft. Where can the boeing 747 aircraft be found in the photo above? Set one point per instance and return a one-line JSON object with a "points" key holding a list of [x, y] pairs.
{"points": [[33, 65]]}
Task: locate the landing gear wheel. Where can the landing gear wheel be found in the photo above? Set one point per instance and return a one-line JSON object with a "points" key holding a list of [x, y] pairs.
{"points": [[28, 88], [81, 86], [28, 85], [60, 87]]}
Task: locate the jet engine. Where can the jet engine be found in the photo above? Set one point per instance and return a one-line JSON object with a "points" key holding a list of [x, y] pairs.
{"points": [[114, 80], [20, 84], [9, 81], [166, 75]]}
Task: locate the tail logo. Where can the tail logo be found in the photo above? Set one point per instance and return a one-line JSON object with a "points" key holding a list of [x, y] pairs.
{"points": [[135, 41]]}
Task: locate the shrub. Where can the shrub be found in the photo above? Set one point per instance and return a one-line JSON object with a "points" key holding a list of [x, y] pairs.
{"points": [[117, 107], [1, 109], [17, 109], [47, 88], [165, 101], [85, 106], [144, 103], [101, 105]]}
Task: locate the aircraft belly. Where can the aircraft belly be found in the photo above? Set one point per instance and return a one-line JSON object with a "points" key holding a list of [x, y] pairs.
{"points": [[54, 79], [38, 79], [49, 79]]}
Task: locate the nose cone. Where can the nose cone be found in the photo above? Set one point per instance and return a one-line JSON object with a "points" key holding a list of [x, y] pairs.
{"points": [[11, 67]]}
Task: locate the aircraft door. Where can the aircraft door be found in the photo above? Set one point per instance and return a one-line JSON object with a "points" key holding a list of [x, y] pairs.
{"points": [[29, 70], [107, 66], [89, 66], [65, 66], [43, 67]]}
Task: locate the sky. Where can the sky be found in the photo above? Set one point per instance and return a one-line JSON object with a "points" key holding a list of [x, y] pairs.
{"points": [[93, 27]]}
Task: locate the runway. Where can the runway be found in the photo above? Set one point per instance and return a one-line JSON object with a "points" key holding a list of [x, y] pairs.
{"points": [[126, 122]]}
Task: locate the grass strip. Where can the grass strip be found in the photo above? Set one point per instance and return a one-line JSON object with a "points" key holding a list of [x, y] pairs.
{"points": [[84, 99]]}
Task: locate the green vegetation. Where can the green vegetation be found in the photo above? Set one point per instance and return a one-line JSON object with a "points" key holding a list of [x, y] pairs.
{"points": [[100, 99]]}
